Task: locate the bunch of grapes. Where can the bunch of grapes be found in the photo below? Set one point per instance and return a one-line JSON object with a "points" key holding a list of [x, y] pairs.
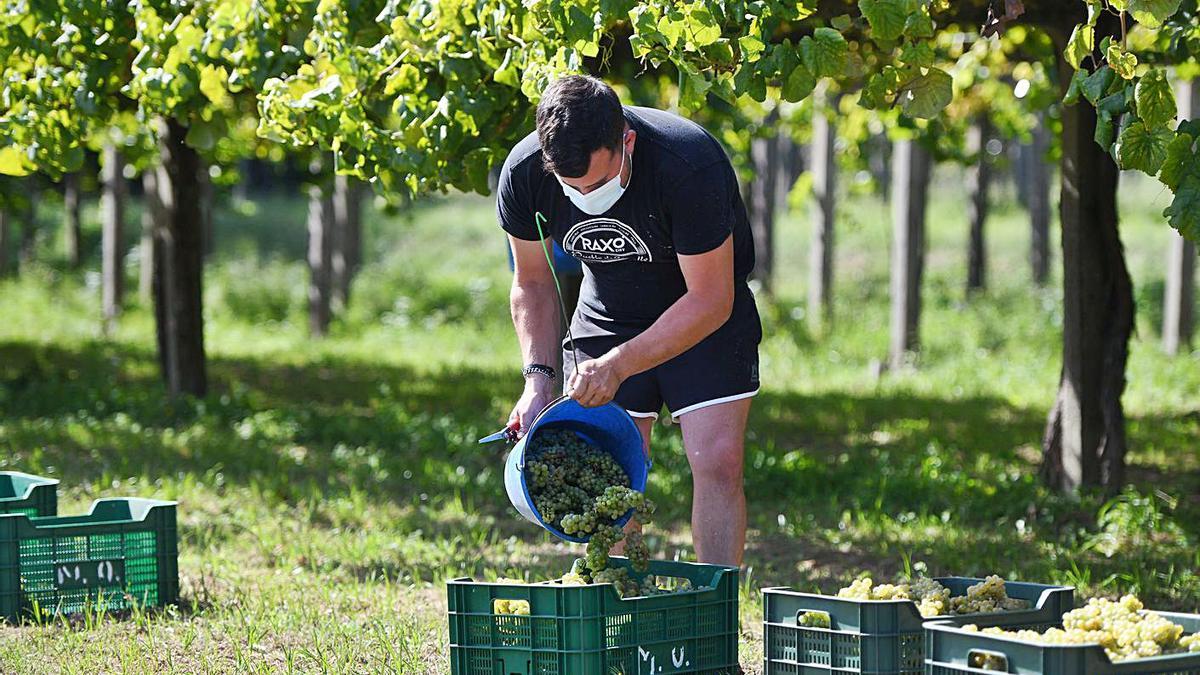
{"points": [[987, 596], [933, 599], [1121, 627], [583, 491], [814, 620]]}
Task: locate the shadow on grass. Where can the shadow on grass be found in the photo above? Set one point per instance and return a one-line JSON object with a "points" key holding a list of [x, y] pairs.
{"points": [[835, 472]]}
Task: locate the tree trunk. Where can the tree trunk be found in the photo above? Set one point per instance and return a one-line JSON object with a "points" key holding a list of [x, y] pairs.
{"points": [[978, 181], [153, 216], [911, 167], [347, 238], [764, 153], [29, 224], [112, 218], [4, 238], [1178, 319], [1037, 184], [1084, 443], [179, 265], [320, 240], [1021, 159], [1179, 301], [820, 259], [204, 182], [880, 163], [71, 228]]}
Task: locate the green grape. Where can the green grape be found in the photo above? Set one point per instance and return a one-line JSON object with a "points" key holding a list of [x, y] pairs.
{"points": [[1121, 627]]}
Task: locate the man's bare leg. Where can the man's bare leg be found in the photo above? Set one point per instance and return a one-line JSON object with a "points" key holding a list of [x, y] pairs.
{"points": [[714, 439]]}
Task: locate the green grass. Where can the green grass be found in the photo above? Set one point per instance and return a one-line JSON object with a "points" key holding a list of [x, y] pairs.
{"points": [[328, 489]]}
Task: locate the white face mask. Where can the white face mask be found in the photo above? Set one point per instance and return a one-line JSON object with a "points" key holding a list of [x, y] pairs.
{"points": [[602, 198]]}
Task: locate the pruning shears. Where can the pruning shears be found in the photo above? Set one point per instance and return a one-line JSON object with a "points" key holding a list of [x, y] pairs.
{"points": [[505, 434]]}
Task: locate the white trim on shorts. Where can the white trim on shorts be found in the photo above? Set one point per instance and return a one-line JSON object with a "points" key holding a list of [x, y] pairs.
{"points": [[704, 404], [642, 415]]}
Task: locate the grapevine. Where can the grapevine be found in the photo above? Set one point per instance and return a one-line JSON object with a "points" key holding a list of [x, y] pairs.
{"points": [[1121, 627], [933, 599]]}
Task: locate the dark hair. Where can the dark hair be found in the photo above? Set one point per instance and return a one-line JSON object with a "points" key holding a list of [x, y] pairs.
{"points": [[578, 115]]}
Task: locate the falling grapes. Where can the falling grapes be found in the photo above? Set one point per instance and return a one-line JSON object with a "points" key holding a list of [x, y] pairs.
{"points": [[583, 492]]}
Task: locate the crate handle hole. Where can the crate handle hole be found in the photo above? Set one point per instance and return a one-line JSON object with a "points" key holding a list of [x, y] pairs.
{"points": [[813, 618], [987, 660]]}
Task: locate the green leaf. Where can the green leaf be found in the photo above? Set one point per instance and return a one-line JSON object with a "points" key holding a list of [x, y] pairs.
{"points": [[928, 94], [886, 18], [1180, 159], [1080, 45], [751, 46], [1155, 100], [1143, 148], [1122, 62], [507, 72], [1151, 13], [1104, 130], [798, 85], [1094, 85], [704, 28], [919, 25], [918, 54], [11, 162], [1184, 212], [1075, 87], [842, 22], [824, 54]]}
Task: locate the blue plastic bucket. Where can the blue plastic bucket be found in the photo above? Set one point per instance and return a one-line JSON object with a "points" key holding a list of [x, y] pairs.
{"points": [[607, 427]]}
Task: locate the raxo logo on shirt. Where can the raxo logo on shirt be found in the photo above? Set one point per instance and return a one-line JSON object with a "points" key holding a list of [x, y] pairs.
{"points": [[605, 240]]}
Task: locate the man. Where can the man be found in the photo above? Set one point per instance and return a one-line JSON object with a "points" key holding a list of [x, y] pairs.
{"points": [[650, 203]]}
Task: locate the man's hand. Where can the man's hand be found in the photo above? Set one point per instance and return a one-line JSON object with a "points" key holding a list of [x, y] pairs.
{"points": [[595, 382], [539, 391]]}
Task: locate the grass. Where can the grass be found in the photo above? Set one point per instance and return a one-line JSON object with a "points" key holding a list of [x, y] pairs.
{"points": [[328, 489]]}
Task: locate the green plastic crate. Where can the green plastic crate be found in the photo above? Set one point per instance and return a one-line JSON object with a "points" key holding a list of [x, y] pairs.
{"points": [[879, 637], [590, 630], [123, 551], [28, 494], [952, 650]]}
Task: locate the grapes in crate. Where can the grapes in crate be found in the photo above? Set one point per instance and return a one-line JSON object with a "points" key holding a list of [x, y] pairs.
{"points": [[1122, 627], [934, 599]]}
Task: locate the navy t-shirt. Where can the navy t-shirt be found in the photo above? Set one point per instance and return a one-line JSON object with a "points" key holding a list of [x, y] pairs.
{"points": [[682, 198]]}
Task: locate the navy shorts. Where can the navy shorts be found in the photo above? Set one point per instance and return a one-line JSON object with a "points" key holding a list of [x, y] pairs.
{"points": [[720, 368]]}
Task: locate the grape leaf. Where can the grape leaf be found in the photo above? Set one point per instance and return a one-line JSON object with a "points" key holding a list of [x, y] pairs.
{"points": [[1080, 45], [751, 46], [917, 54], [1180, 159], [1143, 148], [926, 95], [1184, 211], [886, 18], [1094, 85], [798, 85], [705, 30], [824, 54], [1104, 129], [1155, 100], [11, 163], [1122, 62], [919, 25], [1151, 13]]}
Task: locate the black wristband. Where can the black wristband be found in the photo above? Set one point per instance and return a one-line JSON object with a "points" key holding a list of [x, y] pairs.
{"points": [[539, 369]]}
